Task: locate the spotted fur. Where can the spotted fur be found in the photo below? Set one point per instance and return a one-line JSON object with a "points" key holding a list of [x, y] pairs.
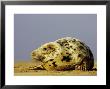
{"points": [[64, 54]]}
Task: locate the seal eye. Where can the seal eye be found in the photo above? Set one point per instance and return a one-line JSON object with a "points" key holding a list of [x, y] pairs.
{"points": [[44, 48]]}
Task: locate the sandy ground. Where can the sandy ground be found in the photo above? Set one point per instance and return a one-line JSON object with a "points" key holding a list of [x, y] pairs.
{"points": [[27, 69]]}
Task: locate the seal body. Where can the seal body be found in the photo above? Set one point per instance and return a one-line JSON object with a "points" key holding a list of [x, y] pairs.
{"points": [[64, 54]]}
